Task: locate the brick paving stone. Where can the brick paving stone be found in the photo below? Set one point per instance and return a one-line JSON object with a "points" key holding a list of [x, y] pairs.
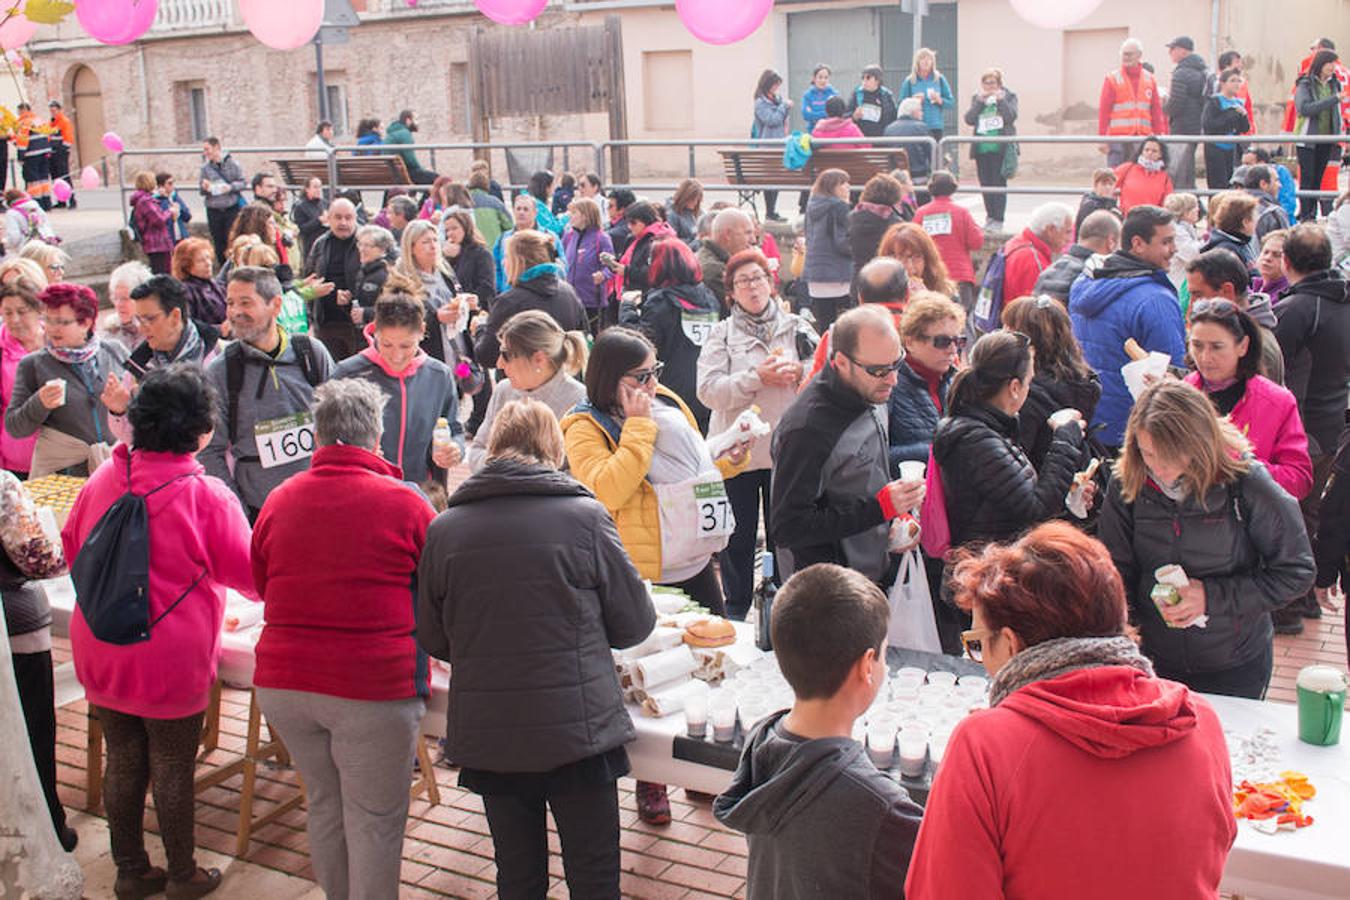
{"points": [[649, 888], [702, 879]]}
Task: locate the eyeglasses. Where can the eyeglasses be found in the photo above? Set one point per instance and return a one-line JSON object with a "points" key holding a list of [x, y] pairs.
{"points": [[59, 323], [1217, 307], [642, 376], [750, 281], [56, 267], [943, 341], [150, 319], [507, 355], [973, 642], [877, 371]]}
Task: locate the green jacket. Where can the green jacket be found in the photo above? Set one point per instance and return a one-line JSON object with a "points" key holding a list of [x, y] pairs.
{"points": [[398, 133]]}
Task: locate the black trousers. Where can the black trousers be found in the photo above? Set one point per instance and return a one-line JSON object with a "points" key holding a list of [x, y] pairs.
{"points": [[989, 169], [704, 589], [588, 828], [1312, 164], [37, 695], [748, 494], [219, 221], [827, 309], [1248, 680], [770, 204], [1219, 165]]}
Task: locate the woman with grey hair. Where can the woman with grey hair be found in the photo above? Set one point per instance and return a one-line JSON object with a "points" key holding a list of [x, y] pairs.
{"points": [[377, 250], [549, 733], [343, 682], [121, 325]]}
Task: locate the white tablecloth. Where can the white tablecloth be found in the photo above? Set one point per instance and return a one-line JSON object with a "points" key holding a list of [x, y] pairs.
{"points": [[1313, 862]]}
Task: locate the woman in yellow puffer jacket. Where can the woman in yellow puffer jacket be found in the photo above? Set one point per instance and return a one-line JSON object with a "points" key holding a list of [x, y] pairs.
{"points": [[628, 443], [636, 445]]}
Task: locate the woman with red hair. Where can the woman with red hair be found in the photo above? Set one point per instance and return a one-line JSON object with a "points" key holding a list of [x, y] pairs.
{"points": [[194, 261], [59, 390], [910, 244], [1081, 741]]}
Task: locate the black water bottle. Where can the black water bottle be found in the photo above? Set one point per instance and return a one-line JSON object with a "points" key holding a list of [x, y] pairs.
{"points": [[763, 602]]}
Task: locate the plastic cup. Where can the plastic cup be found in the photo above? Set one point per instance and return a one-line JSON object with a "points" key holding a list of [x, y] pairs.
{"points": [[913, 751], [881, 745], [911, 672], [61, 383], [973, 683], [696, 714], [912, 470], [942, 679], [722, 711]]}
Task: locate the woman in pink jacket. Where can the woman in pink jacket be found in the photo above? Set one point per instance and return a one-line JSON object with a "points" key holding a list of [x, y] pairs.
{"points": [[837, 124], [151, 696], [1225, 348]]}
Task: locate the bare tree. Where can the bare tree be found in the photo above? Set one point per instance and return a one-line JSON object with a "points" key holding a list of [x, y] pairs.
{"points": [[32, 863]]}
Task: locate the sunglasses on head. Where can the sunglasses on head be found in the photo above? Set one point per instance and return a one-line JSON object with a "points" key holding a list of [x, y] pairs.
{"points": [[642, 376], [943, 341], [1215, 307], [877, 371]]}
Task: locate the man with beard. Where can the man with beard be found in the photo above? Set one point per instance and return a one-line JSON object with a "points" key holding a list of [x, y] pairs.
{"points": [[266, 381]]}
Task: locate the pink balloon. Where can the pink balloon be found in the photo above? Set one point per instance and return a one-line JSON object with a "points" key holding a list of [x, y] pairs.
{"points": [[112, 143], [61, 191], [282, 25], [18, 30], [116, 21], [1054, 14], [511, 12], [89, 178], [720, 22]]}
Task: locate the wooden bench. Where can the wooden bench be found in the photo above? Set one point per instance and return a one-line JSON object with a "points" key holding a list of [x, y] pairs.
{"points": [[352, 171], [761, 166]]}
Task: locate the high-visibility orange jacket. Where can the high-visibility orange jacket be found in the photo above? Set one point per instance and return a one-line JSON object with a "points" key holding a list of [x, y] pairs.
{"points": [[1130, 106]]}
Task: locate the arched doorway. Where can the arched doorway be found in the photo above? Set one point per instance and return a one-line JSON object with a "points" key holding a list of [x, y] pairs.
{"points": [[86, 97]]}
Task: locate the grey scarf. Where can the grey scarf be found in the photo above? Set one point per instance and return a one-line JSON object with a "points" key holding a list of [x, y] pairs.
{"points": [[760, 327], [1061, 656]]}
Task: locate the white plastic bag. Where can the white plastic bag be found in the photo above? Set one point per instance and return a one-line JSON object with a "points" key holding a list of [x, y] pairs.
{"points": [[913, 626]]}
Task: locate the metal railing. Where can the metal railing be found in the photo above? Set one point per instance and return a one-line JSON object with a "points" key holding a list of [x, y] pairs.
{"points": [[1169, 140], [599, 156]]}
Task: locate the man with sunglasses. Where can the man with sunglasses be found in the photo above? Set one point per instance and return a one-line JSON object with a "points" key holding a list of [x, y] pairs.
{"points": [[833, 497]]}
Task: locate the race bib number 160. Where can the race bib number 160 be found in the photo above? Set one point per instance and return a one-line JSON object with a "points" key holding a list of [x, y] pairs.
{"points": [[285, 440]]}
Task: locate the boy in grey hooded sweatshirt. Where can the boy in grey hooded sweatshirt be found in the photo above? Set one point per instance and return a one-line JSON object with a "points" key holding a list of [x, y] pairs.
{"points": [[820, 819]]}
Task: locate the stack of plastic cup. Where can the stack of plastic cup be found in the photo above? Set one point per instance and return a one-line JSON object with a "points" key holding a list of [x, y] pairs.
{"points": [[881, 742], [913, 740]]}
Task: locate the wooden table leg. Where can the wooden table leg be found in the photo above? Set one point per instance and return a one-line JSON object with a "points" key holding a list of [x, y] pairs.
{"points": [[426, 783], [93, 764], [255, 751], [211, 725]]}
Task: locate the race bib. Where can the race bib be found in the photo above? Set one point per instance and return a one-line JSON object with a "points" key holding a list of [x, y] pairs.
{"points": [[697, 325], [989, 124], [985, 304], [285, 440], [871, 112], [938, 223], [714, 510]]}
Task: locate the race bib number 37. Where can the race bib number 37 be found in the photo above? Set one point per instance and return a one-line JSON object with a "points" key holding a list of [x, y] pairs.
{"points": [[285, 440], [714, 510]]}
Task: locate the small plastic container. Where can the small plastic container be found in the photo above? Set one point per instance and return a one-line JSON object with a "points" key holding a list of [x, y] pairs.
{"points": [[881, 745], [696, 714], [942, 679], [722, 712]]}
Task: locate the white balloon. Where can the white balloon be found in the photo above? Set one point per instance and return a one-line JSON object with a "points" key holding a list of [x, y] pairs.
{"points": [[1054, 13]]}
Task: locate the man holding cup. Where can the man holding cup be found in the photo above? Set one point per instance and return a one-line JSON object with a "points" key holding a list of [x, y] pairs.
{"points": [[833, 499]]}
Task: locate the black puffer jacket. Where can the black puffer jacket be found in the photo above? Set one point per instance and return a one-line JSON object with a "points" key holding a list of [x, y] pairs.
{"points": [[1314, 333], [547, 292], [534, 685], [1048, 395], [672, 317], [913, 417], [993, 492], [369, 286], [1186, 102], [1060, 275], [1246, 543], [865, 231]]}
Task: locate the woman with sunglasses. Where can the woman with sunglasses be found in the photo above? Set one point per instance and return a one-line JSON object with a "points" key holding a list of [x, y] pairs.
{"points": [[1187, 493], [636, 445], [1225, 346], [1062, 381], [932, 333], [1081, 738], [752, 358]]}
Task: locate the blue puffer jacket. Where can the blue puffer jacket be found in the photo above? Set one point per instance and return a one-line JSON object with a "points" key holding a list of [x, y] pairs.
{"points": [[913, 416], [1123, 298]]}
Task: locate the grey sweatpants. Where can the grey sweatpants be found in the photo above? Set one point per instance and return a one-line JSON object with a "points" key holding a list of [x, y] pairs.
{"points": [[356, 759]]}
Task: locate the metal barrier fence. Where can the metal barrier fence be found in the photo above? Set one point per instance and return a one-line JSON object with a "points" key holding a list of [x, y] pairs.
{"points": [[601, 156]]}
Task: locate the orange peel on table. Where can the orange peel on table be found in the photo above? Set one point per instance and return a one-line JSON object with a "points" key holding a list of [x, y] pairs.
{"points": [[1279, 800]]}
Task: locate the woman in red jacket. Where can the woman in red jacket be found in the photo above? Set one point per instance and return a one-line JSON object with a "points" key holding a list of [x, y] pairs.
{"points": [[1037, 796], [1144, 181], [339, 674]]}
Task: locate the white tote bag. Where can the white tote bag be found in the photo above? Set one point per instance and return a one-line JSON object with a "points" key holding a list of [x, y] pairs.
{"points": [[912, 624]]}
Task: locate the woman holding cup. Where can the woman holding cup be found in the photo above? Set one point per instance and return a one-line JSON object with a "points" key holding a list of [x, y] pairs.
{"points": [[754, 357], [1206, 542], [59, 391], [1081, 737]]}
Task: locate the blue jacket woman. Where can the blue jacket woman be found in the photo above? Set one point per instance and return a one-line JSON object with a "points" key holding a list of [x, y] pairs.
{"points": [[813, 101], [925, 78]]}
